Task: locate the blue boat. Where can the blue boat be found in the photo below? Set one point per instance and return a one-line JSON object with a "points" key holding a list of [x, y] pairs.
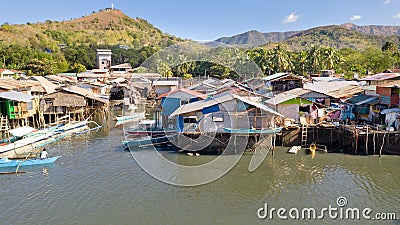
{"points": [[5, 162], [253, 131]]}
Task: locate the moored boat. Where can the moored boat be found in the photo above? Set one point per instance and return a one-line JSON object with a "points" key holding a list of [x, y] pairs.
{"points": [[132, 117], [147, 141], [253, 131]]}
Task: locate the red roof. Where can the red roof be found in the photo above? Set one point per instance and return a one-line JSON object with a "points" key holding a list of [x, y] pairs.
{"points": [[191, 92], [382, 76]]}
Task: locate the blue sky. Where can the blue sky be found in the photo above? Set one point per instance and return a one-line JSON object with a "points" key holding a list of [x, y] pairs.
{"points": [[211, 19]]}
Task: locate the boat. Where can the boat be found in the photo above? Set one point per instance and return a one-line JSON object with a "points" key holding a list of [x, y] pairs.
{"points": [[147, 128], [147, 141], [5, 162], [28, 140], [253, 131], [24, 136], [132, 117]]}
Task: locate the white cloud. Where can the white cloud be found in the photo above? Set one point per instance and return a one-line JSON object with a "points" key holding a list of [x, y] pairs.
{"points": [[388, 1], [355, 17], [293, 17], [397, 16]]}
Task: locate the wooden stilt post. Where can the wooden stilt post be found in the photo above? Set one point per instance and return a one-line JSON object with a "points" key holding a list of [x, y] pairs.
{"points": [[356, 147], [383, 143], [374, 141], [366, 143]]}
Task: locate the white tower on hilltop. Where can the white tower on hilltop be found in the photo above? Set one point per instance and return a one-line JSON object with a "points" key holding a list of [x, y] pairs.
{"points": [[103, 58], [112, 6]]}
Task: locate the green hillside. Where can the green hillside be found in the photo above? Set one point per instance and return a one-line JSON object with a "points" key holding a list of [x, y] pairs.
{"points": [[336, 37], [66, 40], [344, 36]]}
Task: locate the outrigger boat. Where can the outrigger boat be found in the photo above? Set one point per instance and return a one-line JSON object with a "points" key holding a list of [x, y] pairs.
{"points": [[147, 141], [147, 128], [133, 117], [253, 131], [5, 162], [27, 140]]}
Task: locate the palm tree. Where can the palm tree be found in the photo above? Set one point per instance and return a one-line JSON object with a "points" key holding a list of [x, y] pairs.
{"points": [[164, 69], [314, 59], [280, 59], [301, 63]]}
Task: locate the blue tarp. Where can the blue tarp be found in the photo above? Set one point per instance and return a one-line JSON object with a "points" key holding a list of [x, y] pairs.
{"points": [[169, 105], [180, 125], [211, 109]]}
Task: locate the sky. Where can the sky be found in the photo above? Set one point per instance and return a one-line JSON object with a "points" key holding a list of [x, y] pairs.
{"points": [[211, 19]]}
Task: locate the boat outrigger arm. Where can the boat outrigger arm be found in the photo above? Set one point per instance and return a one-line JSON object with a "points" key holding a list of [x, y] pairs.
{"points": [[90, 129]]}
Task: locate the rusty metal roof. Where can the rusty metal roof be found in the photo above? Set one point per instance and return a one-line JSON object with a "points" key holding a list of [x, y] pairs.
{"points": [[9, 83], [345, 92], [382, 76]]}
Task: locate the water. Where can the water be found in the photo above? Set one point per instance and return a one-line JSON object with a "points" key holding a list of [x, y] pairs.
{"points": [[97, 182]]}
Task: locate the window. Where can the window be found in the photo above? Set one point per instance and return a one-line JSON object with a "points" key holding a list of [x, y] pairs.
{"points": [[29, 106], [218, 117]]}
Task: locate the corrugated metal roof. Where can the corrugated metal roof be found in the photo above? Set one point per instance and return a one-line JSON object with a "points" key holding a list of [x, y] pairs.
{"points": [[382, 76], [345, 92], [327, 79], [16, 96], [190, 92], [279, 98], [223, 97], [258, 105], [84, 92], [123, 65], [275, 76], [324, 87], [165, 83], [9, 83], [298, 91], [47, 85], [195, 106]]}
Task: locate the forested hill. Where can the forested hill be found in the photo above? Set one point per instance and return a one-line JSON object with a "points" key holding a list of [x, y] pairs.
{"points": [[66, 40], [343, 36]]}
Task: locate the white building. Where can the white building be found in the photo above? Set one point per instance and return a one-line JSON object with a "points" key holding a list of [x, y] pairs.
{"points": [[104, 58]]}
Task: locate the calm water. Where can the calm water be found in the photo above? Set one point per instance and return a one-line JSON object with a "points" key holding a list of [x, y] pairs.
{"points": [[97, 182]]}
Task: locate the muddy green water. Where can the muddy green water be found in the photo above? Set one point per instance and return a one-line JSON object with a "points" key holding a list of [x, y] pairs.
{"points": [[97, 182]]}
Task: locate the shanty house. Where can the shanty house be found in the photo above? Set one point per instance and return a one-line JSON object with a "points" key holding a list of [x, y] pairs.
{"points": [[389, 93], [17, 105], [281, 82], [165, 86], [225, 110], [290, 105]]}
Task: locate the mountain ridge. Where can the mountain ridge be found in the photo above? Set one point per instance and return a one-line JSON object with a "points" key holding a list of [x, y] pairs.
{"points": [[375, 34]]}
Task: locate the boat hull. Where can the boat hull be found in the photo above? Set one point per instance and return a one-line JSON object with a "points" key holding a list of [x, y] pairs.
{"points": [[33, 148], [30, 162]]}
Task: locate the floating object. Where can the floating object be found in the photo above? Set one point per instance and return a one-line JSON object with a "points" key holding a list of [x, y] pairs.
{"points": [[313, 147], [189, 153], [5, 162], [197, 154], [294, 149]]}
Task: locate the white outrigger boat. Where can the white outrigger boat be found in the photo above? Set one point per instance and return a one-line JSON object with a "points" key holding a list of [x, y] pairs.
{"points": [[26, 140]]}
